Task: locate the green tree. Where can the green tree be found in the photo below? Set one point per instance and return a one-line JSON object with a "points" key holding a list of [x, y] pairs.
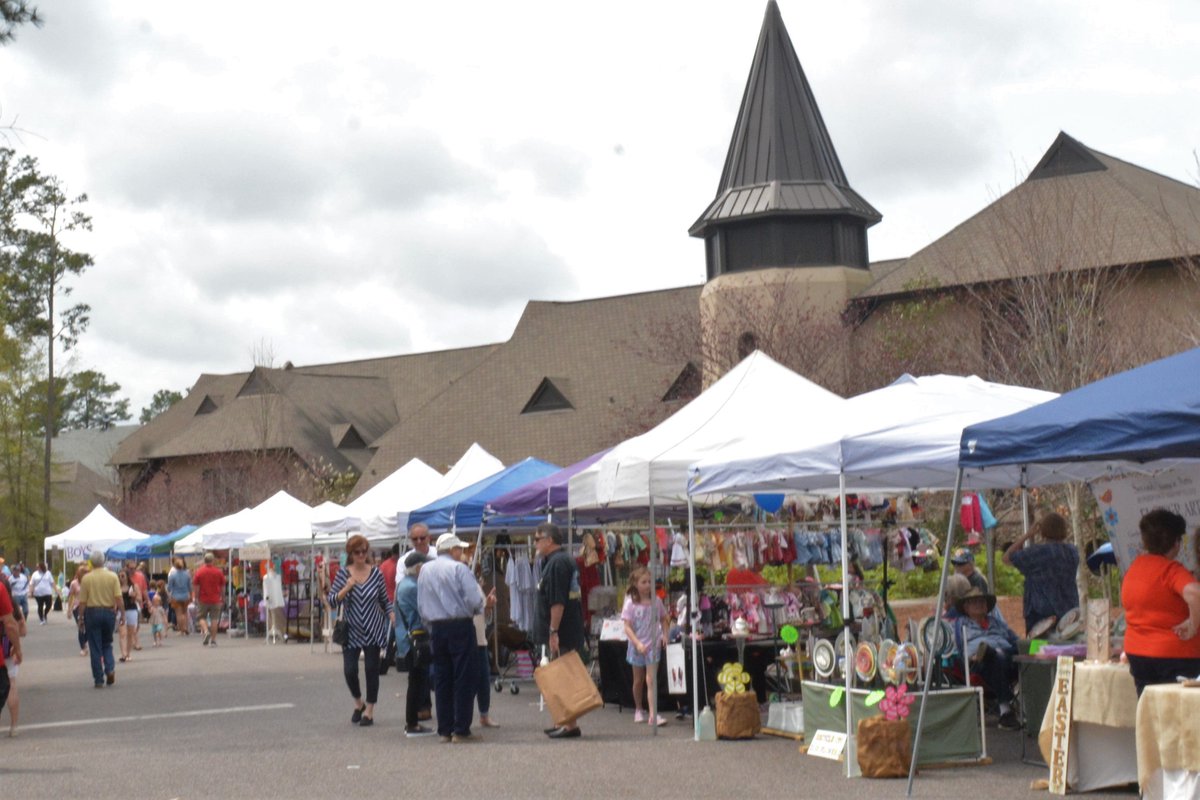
{"points": [[89, 401], [21, 419], [160, 402], [36, 213]]}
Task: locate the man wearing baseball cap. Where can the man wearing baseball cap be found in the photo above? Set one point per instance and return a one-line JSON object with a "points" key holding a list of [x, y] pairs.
{"points": [[448, 597], [963, 559]]}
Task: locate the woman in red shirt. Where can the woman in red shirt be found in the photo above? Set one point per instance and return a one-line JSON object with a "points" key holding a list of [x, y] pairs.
{"points": [[1162, 605]]}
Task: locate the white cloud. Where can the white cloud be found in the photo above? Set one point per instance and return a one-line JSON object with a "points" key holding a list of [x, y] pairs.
{"points": [[378, 178]]}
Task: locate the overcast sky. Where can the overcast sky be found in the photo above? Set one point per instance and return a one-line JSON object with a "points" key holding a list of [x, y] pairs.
{"points": [[358, 179]]}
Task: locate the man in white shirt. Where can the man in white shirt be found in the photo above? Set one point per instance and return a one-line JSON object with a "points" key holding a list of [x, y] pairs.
{"points": [[448, 597]]}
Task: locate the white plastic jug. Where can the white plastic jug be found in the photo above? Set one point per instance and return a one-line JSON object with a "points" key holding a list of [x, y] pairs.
{"points": [[707, 725]]}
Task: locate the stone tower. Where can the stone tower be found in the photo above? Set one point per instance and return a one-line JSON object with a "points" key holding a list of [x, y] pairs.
{"points": [[785, 239]]}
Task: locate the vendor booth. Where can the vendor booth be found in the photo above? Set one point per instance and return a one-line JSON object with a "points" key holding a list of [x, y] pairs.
{"points": [[1143, 422], [383, 509], [901, 437]]}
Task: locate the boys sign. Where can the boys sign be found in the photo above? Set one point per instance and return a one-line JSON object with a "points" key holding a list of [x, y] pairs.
{"points": [[1125, 498]]}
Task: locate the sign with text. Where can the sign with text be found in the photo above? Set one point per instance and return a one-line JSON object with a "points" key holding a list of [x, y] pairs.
{"points": [[1060, 729], [1125, 498], [827, 744]]}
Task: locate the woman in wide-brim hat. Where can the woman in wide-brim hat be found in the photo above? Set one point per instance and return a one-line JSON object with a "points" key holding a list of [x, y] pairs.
{"points": [[988, 645]]}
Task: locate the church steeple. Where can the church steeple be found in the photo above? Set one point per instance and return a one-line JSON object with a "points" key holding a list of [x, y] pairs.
{"points": [[784, 199]]}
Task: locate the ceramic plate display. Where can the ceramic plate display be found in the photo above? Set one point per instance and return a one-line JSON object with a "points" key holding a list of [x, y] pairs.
{"points": [[937, 636], [1071, 624], [823, 658], [1040, 629], [864, 662], [912, 663], [887, 660], [839, 645]]}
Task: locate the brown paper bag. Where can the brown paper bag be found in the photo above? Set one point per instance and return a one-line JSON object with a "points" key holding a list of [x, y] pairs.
{"points": [[738, 716], [568, 689], [884, 748]]}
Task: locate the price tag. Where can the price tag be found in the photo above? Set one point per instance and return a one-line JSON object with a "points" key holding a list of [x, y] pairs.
{"points": [[827, 744]]}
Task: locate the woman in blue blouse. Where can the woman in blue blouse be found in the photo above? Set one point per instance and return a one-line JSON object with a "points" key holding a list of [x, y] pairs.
{"points": [[359, 587]]}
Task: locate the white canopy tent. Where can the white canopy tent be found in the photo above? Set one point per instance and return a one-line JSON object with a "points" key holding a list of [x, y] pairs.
{"points": [[903, 436], [383, 509], [652, 469], [99, 530], [757, 397]]}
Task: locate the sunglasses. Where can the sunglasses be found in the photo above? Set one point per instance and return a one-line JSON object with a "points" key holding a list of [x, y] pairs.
{"points": [[420, 538], [359, 552]]}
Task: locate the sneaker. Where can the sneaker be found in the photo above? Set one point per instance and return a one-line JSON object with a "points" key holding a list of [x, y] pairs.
{"points": [[366, 722], [657, 720], [639, 716], [420, 730], [110, 678], [207, 638], [1008, 721]]}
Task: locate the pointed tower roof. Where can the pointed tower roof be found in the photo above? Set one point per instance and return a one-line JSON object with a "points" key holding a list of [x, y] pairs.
{"points": [[781, 160]]}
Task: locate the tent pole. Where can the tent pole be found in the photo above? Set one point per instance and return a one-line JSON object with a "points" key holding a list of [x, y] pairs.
{"points": [[652, 672], [937, 616], [851, 738], [693, 621], [1024, 500]]}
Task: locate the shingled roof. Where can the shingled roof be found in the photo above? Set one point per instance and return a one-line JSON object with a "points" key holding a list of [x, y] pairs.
{"points": [[1078, 209], [781, 159], [608, 357], [324, 410]]}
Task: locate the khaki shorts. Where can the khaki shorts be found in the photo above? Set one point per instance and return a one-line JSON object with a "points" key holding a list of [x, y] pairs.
{"points": [[210, 611]]}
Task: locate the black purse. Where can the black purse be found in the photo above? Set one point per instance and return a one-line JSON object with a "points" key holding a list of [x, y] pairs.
{"points": [[341, 627]]}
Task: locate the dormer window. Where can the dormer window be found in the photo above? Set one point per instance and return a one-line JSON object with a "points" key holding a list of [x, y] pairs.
{"points": [[547, 397], [207, 406], [686, 385], [346, 437]]}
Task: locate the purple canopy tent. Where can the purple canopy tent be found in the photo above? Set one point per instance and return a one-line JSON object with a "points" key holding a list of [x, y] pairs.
{"points": [[543, 495]]}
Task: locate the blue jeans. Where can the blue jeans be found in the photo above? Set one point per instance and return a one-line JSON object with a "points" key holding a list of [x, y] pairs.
{"points": [[455, 675], [99, 624], [22, 600]]}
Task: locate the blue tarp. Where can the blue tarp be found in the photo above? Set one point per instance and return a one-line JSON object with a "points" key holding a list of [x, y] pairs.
{"points": [[466, 508], [1146, 414], [158, 544]]}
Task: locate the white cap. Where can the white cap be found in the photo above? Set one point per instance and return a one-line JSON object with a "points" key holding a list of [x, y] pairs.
{"points": [[448, 541]]}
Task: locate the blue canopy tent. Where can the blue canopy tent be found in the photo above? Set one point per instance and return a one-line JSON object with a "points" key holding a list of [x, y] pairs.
{"points": [[1151, 413], [158, 544], [468, 506]]}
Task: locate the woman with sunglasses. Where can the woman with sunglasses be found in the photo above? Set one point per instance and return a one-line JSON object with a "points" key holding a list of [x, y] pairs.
{"points": [[359, 587]]}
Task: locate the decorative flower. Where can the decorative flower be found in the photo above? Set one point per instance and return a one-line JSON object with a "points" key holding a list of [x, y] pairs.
{"points": [[896, 702], [733, 678], [1110, 517]]}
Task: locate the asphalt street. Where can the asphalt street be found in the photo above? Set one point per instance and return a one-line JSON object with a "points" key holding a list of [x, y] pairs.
{"points": [[250, 720]]}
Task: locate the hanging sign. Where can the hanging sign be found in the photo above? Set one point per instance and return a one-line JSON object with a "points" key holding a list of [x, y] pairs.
{"points": [[827, 744], [1060, 729], [1125, 498], [254, 552], [676, 666]]}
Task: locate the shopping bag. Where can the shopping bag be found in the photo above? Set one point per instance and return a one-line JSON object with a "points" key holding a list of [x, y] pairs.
{"points": [[738, 716], [884, 747], [568, 689]]}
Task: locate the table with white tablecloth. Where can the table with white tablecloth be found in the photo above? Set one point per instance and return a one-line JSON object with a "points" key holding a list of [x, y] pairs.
{"points": [[1168, 742], [1103, 747]]}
